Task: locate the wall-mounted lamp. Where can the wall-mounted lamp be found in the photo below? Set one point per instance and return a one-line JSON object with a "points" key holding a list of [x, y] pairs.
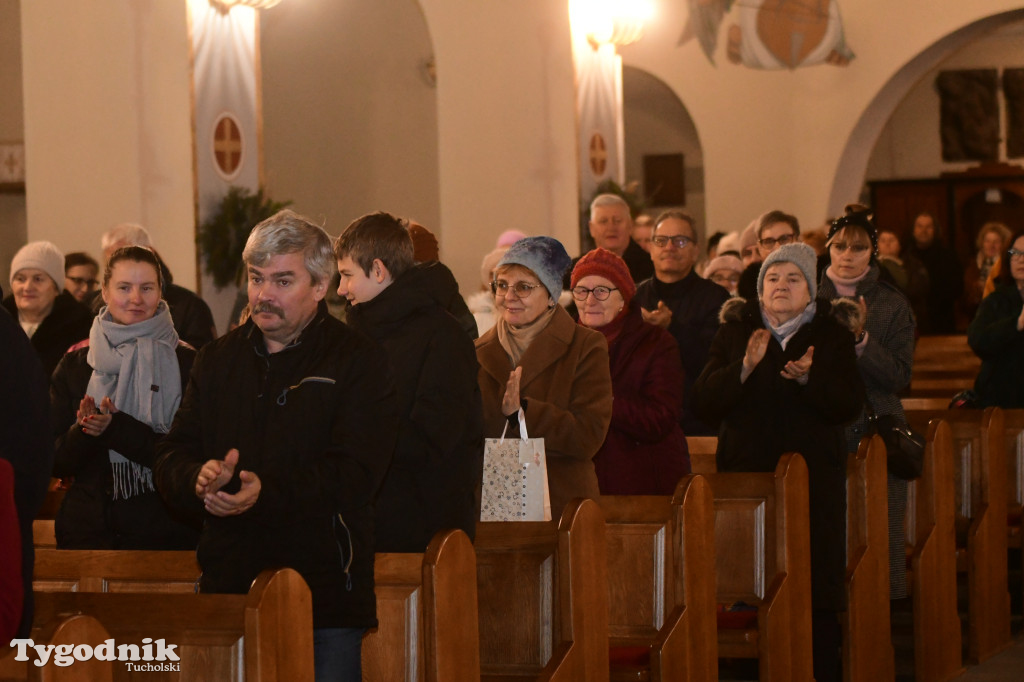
{"points": [[224, 6]]}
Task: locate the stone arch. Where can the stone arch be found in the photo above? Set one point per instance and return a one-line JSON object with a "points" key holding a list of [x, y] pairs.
{"points": [[656, 121], [852, 166]]}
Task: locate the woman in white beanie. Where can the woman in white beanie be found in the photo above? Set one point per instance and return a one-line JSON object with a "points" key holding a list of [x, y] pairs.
{"points": [[782, 377], [51, 317]]}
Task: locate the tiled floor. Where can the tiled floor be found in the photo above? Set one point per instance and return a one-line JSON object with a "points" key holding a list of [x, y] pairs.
{"points": [[1005, 666]]}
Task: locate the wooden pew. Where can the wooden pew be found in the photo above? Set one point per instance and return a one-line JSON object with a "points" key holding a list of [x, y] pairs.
{"points": [[762, 557], [98, 570], [932, 570], [426, 607], [867, 643], [661, 584], [1014, 422], [63, 630], [980, 473], [266, 634], [415, 593], [867, 638], [543, 597], [702, 454], [43, 535], [944, 353]]}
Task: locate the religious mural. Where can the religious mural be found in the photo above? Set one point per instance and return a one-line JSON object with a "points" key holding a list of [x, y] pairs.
{"points": [[770, 34]]}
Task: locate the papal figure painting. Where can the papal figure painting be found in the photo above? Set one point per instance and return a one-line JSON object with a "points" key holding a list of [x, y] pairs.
{"points": [[770, 34]]}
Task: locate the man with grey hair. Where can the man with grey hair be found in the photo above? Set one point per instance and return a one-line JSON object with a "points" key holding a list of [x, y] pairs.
{"points": [[611, 226], [191, 315], [283, 437]]}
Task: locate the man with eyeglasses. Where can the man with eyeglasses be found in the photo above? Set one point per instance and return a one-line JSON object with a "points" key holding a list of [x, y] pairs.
{"points": [[679, 300], [945, 277], [774, 229], [80, 275]]}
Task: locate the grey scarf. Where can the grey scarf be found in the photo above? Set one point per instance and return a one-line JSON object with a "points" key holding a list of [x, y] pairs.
{"points": [[785, 331], [136, 367]]}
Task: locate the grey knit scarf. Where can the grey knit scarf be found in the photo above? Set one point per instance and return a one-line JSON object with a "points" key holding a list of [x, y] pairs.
{"points": [[136, 367]]}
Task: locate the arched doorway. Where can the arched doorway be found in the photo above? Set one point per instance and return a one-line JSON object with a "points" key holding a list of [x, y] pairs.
{"points": [[853, 166], [656, 123]]}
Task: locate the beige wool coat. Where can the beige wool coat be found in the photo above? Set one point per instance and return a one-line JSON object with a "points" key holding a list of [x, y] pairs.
{"points": [[568, 389]]}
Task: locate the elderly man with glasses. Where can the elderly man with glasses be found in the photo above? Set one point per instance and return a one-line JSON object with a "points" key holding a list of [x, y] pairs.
{"points": [[679, 300]]}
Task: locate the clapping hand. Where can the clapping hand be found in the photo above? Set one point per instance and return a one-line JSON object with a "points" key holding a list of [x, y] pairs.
{"points": [[94, 421]]}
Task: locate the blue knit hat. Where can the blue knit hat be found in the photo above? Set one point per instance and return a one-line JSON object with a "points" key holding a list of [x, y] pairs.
{"points": [[544, 256]]}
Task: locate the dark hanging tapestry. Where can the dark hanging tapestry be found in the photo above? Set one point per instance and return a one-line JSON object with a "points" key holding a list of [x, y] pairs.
{"points": [[1013, 92], [969, 119]]}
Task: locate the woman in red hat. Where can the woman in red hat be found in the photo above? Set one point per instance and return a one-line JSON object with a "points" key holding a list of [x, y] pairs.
{"points": [[645, 451]]}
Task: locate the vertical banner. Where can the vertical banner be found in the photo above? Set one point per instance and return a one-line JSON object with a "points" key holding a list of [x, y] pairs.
{"points": [[227, 117], [599, 112]]}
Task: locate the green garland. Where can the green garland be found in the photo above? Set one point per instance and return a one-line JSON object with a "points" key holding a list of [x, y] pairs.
{"points": [[222, 237]]}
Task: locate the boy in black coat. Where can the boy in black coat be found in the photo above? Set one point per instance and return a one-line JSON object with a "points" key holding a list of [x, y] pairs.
{"points": [[438, 458]]}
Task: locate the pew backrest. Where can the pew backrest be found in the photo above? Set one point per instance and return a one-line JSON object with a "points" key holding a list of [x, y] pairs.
{"points": [[426, 609], [762, 545], [75, 570], [543, 596]]}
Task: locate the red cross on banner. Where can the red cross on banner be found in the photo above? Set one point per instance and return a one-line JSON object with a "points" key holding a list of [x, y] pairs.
{"points": [[227, 145]]}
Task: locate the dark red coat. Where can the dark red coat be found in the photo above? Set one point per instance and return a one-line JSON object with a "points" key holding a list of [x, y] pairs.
{"points": [[645, 451]]}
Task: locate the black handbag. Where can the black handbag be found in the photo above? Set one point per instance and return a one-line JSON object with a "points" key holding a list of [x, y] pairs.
{"points": [[904, 447]]}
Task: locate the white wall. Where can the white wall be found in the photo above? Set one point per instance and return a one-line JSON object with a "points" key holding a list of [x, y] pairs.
{"points": [[656, 122], [108, 133], [13, 223], [775, 138], [909, 146], [506, 121], [349, 116]]}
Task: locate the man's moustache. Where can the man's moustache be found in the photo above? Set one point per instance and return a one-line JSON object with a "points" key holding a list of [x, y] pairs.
{"points": [[267, 308]]}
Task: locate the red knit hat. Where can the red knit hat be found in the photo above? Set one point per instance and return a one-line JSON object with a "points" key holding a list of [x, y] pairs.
{"points": [[606, 264]]}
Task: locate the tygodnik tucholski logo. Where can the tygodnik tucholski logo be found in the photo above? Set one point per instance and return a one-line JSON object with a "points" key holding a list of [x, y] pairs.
{"points": [[63, 655]]}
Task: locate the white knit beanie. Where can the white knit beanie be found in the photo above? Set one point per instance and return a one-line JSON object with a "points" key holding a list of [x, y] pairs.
{"points": [[43, 256]]}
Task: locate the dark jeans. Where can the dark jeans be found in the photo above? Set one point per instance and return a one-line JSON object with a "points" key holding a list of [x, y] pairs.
{"points": [[337, 654]]}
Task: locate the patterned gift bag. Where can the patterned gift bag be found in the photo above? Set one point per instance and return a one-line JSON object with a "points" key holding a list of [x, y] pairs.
{"points": [[515, 481]]}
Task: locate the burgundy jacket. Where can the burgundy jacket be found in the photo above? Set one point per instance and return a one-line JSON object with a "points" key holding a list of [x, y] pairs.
{"points": [[645, 450]]}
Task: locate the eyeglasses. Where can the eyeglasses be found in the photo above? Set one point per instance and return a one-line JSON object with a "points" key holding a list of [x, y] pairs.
{"points": [[1015, 253], [724, 278], [770, 242], [521, 289], [680, 241], [841, 247], [83, 282], [601, 293]]}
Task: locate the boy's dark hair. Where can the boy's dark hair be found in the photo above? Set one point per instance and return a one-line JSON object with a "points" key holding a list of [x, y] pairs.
{"points": [[377, 236]]}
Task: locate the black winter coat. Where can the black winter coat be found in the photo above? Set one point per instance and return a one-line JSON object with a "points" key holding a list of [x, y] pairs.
{"points": [[768, 416], [68, 323], [995, 339], [24, 441], [438, 458], [316, 422], [89, 517], [695, 303]]}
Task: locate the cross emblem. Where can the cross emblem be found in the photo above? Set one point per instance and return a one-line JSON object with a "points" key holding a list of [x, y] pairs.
{"points": [[598, 155], [227, 145]]}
